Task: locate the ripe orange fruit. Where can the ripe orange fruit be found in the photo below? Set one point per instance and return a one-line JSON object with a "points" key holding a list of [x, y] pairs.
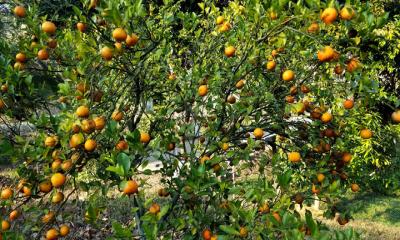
{"points": [[82, 87], [220, 20], [162, 192], [202, 91], [20, 57], [13, 215], [64, 230], [27, 191], [56, 165], [50, 141], [347, 13], [289, 99], [131, 40], [294, 157], [49, 27], [315, 189], [48, 217], [206, 234], [66, 165], [273, 15], [4, 88], [231, 99], [288, 75], [90, 145], [106, 53], [144, 137], [20, 11], [313, 28], [366, 134], [264, 208], [82, 111], [45, 186], [57, 180], [326, 117], [131, 187], [19, 66], [277, 216], [93, 4], [154, 208], [326, 54], [52, 234], [293, 90], [240, 84], [118, 47], [6, 193], [320, 177], [88, 125], [121, 145], [396, 116], [81, 26], [5, 225], [119, 34], [346, 157], [43, 54], [271, 65], [226, 26], [243, 232], [117, 116], [76, 140], [204, 158], [230, 51], [304, 89], [224, 146], [338, 69], [52, 43], [352, 65], [329, 15], [57, 197], [258, 133], [354, 187], [348, 104], [56, 154]]}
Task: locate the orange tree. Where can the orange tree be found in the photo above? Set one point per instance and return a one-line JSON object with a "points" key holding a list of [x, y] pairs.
{"points": [[274, 89]]}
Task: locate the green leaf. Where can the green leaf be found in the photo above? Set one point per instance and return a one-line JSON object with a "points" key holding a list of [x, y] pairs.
{"points": [[124, 161], [230, 230], [311, 223]]}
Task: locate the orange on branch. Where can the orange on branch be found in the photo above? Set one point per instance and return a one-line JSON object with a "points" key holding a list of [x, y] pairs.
{"points": [[57, 180], [49, 27]]}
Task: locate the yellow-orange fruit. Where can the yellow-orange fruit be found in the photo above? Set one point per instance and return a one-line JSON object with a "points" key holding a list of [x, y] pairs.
{"points": [[202, 91], [220, 20], [204, 158], [57, 180], [315, 189], [288, 75], [81, 26], [348, 104], [20, 57], [43, 54], [130, 187], [313, 28], [57, 197], [226, 26], [294, 157], [273, 15], [346, 157], [5, 225], [243, 232], [66, 165], [326, 54], [326, 117], [48, 217], [106, 53], [231, 99], [88, 125], [154, 208], [119, 34], [354, 187], [271, 65], [90, 145], [99, 123], [396, 116], [277, 216], [121, 145], [347, 13], [320, 177], [144, 137], [64, 230], [27, 191], [6, 193], [258, 133], [49, 27], [329, 15], [206, 234], [20, 11], [117, 116], [75, 140], [131, 40], [240, 84], [264, 208], [82, 111], [230, 51], [45, 187], [52, 234], [13, 215], [366, 134], [352, 65], [50, 141]]}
